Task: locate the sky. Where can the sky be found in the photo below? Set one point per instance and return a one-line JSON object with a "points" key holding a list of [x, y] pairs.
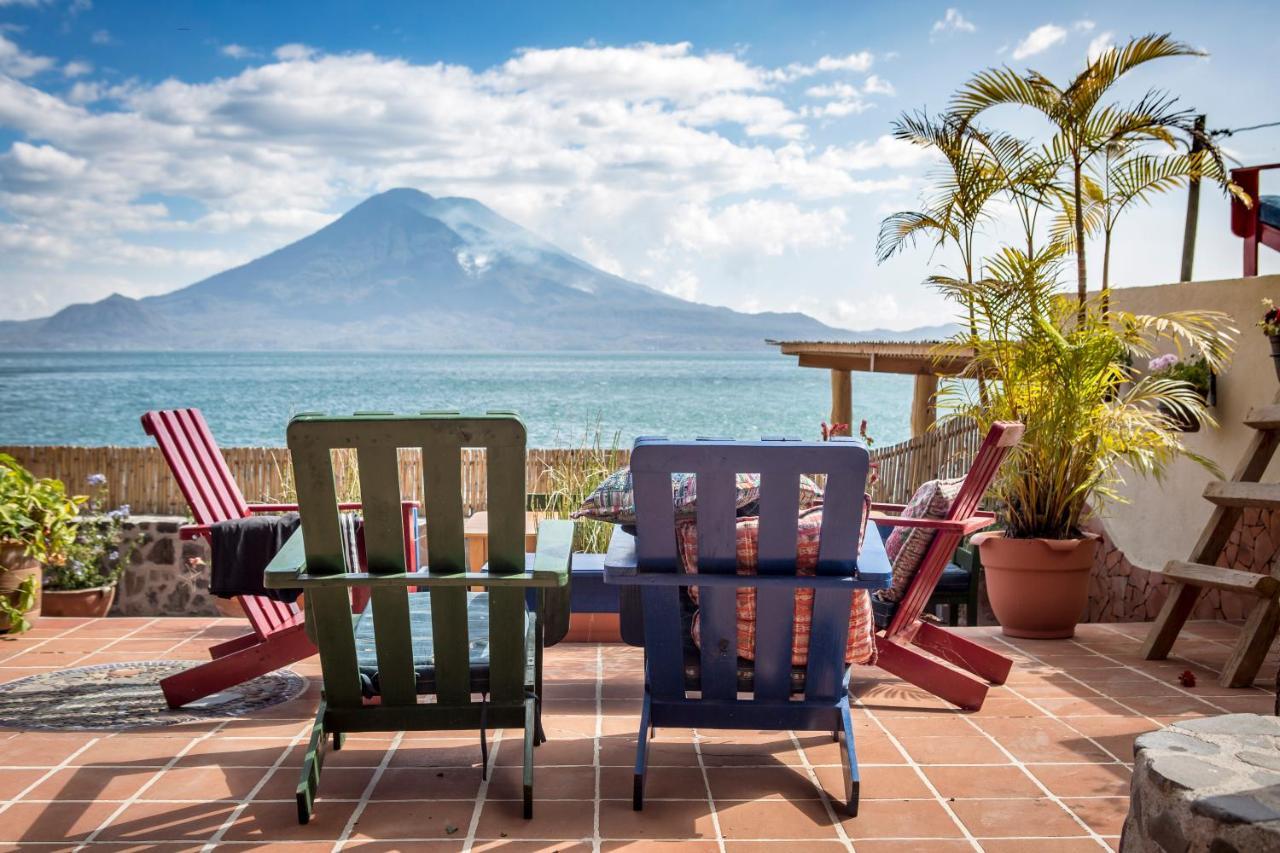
{"points": [[736, 154]]}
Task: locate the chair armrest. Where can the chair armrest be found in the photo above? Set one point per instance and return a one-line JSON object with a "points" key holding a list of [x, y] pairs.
{"points": [[872, 571], [962, 526], [554, 551]]}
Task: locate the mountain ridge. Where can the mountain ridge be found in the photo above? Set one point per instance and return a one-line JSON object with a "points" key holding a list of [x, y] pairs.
{"points": [[404, 270]]}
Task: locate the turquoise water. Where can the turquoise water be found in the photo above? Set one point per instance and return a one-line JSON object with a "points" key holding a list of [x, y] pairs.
{"points": [[96, 398]]}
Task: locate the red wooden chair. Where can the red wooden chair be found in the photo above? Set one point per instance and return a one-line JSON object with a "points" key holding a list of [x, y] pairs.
{"points": [[898, 645], [278, 637], [1259, 224]]}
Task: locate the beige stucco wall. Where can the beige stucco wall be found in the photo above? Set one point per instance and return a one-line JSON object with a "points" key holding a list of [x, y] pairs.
{"points": [[1164, 519]]}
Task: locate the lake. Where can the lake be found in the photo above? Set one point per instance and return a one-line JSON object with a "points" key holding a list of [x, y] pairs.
{"points": [[96, 398]]}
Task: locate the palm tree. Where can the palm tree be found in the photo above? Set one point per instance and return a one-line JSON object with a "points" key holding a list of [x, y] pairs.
{"points": [[966, 184], [1127, 176], [1085, 126]]}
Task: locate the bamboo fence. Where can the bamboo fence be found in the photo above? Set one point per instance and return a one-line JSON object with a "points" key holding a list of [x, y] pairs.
{"points": [[139, 477]]}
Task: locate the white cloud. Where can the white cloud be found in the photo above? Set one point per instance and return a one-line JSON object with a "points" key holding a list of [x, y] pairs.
{"points": [[16, 62], [603, 150], [877, 85], [770, 227], [31, 4], [1039, 40], [236, 51], [1100, 44], [954, 22], [101, 37], [77, 68], [294, 52], [860, 61], [682, 284], [1084, 25]]}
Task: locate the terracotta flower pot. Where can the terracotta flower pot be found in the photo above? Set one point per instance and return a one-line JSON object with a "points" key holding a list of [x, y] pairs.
{"points": [[93, 603], [15, 568], [1039, 588]]}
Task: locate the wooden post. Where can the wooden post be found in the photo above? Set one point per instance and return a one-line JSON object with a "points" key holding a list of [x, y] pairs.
{"points": [[924, 410], [842, 398]]}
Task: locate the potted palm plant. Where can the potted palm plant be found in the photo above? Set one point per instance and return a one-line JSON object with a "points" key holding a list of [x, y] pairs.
{"points": [[37, 525], [1062, 369], [83, 583]]}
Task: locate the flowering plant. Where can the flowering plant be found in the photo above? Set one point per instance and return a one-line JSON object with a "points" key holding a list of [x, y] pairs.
{"points": [[98, 555], [1270, 322], [1195, 372]]}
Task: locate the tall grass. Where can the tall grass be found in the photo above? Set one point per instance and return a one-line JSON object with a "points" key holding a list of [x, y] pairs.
{"points": [[574, 474]]}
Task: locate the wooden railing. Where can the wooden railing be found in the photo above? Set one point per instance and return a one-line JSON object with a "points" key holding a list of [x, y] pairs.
{"points": [[139, 477]]}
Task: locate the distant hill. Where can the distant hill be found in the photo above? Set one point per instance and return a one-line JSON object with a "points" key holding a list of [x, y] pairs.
{"points": [[404, 270]]}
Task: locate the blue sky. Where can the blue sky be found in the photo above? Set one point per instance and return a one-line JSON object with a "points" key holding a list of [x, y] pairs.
{"points": [[733, 153]]}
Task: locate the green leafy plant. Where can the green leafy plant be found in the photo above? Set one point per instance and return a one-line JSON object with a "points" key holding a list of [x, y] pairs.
{"points": [[36, 512], [1088, 415], [574, 474], [98, 554], [14, 606]]}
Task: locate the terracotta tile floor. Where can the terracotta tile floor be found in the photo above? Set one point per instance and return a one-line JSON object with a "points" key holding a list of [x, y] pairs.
{"points": [[1044, 765]]}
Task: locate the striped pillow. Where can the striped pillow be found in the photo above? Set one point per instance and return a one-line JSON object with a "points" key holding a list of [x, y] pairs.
{"points": [[860, 646], [614, 499], [906, 546]]}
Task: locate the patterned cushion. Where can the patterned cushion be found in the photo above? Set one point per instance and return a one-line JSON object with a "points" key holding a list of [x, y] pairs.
{"points": [[860, 646], [906, 546], [614, 499], [424, 663]]}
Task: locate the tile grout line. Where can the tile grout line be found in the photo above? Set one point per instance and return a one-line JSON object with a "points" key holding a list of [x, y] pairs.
{"points": [[216, 837], [63, 764], [822, 793], [368, 791], [595, 747], [154, 777], [482, 793], [1017, 762], [915, 765], [1265, 691], [706, 784]]}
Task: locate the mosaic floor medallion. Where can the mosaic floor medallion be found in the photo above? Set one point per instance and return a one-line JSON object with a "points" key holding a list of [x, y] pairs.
{"points": [[112, 696]]}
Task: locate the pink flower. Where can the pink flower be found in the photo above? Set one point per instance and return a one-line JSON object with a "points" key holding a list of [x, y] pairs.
{"points": [[1162, 362]]}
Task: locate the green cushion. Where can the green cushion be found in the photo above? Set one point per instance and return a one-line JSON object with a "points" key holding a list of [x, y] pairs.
{"points": [[424, 647]]}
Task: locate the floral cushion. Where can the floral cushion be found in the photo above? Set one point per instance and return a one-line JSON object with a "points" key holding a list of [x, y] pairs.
{"points": [[906, 546], [860, 647], [614, 499]]}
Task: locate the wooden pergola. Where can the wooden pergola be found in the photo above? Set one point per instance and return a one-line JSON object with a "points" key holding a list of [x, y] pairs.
{"points": [[920, 359]]}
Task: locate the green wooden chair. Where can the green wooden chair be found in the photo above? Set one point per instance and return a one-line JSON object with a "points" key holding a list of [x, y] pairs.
{"points": [[425, 632]]}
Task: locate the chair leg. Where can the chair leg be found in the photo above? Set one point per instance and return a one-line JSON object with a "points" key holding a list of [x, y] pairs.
{"points": [[966, 654], [339, 738], [311, 766], [228, 670], [642, 756], [952, 685], [530, 726], [849, 762]]}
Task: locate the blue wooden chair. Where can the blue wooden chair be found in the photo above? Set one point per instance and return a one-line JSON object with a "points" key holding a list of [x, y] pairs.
{"points": [[712, 687]]}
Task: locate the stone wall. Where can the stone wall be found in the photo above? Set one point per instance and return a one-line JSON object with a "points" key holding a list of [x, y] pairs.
{"points": [[168, 577], [1123, 592]]}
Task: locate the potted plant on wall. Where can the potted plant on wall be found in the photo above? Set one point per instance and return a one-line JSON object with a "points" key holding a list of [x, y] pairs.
{"points": [[37, 525], [1270, 325], [1194, 372], [84, 582], [1062, 369]]}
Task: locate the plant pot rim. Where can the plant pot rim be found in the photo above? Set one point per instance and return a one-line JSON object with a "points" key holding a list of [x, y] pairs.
{"points": [[1056, 544], [83, 589]]}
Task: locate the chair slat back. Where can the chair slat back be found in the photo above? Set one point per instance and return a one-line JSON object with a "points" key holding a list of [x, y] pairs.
{"points": [[441, 438], [1000, 440], [197, 464], [780, 465]]}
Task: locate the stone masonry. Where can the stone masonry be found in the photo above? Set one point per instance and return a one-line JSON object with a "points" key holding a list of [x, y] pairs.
{"points": [[168, 577]]}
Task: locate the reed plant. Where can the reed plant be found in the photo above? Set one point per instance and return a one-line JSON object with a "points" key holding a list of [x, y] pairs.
{"points": [[571, 475]]}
